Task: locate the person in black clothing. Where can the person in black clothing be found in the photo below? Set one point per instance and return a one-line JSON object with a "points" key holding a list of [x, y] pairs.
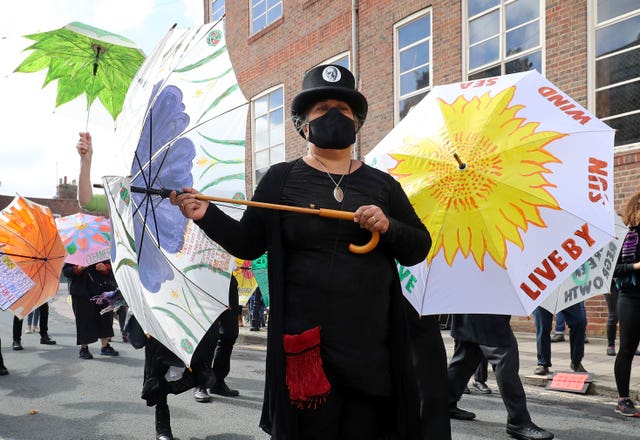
{"points": [[336, 369], [44, 328], [86, 282], [490, 337], [3, 369], [627, 278], [257, 311], [227, 329]]}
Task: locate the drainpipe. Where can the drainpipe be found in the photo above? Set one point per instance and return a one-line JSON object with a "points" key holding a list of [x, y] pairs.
{"points": [[354, 61]]}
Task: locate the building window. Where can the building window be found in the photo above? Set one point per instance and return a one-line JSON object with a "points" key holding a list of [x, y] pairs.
{"points": [[217, 10], [340, 60], [617, 67], [263, 13], [503, 36], [268, 131], [412, 60]]}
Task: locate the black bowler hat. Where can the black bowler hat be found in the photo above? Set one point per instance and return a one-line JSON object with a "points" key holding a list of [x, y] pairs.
{"points": [[329, 81]]}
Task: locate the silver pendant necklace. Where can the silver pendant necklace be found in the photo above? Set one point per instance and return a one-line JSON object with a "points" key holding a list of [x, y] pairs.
{"points": [[338, 193]]}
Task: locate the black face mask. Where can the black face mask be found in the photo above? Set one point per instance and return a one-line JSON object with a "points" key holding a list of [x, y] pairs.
{"points": [[332, 130]]}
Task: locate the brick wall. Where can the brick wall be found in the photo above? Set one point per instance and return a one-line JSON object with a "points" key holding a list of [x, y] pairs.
{"points": [[314, 30]]}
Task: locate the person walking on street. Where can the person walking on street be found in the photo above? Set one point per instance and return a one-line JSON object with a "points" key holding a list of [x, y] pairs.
{"points": [[577, 320], [91, 324], [490, 337], [32, 321], [3, 369], [627, 278], [480, 377], [44, 328], [227, 330], [380, 370]]}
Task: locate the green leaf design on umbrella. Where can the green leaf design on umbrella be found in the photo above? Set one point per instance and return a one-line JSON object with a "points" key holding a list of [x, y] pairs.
{"points": [[85, 60]]}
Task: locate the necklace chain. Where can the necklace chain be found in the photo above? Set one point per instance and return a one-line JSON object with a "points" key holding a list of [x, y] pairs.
{"points": [[337, 191]]}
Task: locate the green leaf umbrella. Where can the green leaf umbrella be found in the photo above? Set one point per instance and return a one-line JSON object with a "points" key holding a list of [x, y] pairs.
{"points": [[85, 60]]}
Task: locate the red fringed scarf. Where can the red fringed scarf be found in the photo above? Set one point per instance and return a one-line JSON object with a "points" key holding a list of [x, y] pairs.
{"points": [[308, 385]]}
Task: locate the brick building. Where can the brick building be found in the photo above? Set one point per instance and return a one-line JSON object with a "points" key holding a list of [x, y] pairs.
{"points": [[399, 49], [64, 203]]}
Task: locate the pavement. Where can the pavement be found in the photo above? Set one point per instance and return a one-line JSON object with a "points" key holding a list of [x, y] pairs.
{"points": [[595, 361]]}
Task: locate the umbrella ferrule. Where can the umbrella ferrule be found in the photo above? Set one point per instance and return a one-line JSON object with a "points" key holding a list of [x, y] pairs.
{"points": [[461, 164]]}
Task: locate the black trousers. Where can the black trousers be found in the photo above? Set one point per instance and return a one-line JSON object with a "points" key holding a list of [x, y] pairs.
{"points": [[44, 323], [612, 318], [629, 320], [505, 361], [227, 334]]}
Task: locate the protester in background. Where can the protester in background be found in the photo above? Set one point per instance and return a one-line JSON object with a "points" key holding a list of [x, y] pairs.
{"points": [[490, 337], [627, 278], [379, 369], [227, 330], [3, 369], [91, 324], [256, 311], [577, 320], [32, 321], [480, 377], [44, 328]]}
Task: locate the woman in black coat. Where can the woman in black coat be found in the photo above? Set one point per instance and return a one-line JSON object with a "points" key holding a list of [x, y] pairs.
{"points": [[86, 282]]}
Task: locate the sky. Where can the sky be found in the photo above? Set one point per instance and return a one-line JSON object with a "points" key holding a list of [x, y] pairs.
{"points": [[37, 141]]}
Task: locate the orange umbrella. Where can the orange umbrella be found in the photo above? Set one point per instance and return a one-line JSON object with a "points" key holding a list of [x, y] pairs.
{"points": [[28, 235]]}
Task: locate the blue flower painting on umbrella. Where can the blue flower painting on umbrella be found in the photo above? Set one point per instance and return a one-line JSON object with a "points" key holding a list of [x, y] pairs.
{"points": [[160, 163]]}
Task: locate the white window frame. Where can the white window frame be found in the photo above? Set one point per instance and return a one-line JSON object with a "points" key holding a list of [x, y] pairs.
{"points": [[267, 92], [337, 57], [396, 60], [267, 24], [502, 59], [593, 26]]}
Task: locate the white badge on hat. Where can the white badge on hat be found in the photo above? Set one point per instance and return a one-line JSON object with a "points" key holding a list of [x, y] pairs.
{"points": [[331, 74]]}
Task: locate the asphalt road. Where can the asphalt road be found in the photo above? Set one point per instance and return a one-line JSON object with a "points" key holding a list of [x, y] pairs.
{"points": [[51, 394]]}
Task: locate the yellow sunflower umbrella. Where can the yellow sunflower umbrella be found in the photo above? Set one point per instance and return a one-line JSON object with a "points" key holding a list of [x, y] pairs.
{"points": [[513, 179]]}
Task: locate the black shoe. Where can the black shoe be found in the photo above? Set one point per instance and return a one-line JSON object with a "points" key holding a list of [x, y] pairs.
{"points": [[460, 414], [46, 340], [201, 395], [17, 345], [222, 389], [254, 329], [528, 431], [3, 371], [108, 351], [611, 350], [164, 437], [577, 368], [84, 353], [466, 390], [481, 387]]}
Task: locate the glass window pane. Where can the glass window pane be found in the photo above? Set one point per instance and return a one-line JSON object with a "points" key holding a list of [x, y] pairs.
{"points": [[616, 100], [627, 129], [618, 36], [259, 23], [275, 98], [477, 6], [277, 154], [260, 105], [414, 31], [618, 68], [262, 159], [407, 104], [217, 9], [414, 57], [484, 27], [260, 174], [414, 80], [272, 3], [259, 7], [274, 13], [527, 62], [522, 11], [484, 53], [261, 140], [612, 8], [523, 38], [487, 73], [277, 127]]}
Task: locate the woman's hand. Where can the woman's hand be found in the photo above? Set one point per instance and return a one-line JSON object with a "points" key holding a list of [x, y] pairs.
{"points": [[371, 218], [189, 206]]}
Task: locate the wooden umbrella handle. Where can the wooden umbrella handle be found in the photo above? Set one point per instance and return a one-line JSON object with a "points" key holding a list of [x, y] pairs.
{"points": [[322, 212]]}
